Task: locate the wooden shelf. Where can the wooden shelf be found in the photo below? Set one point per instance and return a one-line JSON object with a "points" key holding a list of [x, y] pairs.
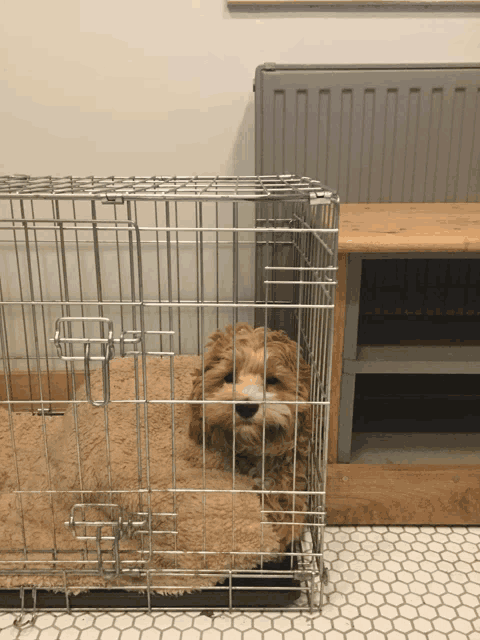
{"points": [[416, 494], [397, 227], [415, 359]]}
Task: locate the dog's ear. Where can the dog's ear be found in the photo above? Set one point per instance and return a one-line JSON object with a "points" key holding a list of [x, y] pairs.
{"points": [[214, 347], [282, 338], [289, 351], [305, 427], [304, 376]]}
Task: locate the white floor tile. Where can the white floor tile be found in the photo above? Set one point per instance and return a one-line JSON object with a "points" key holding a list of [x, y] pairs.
{"points": [[386, 583]]}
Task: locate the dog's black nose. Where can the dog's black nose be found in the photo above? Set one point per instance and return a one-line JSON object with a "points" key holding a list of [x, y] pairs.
{"points": [[246, 410]]}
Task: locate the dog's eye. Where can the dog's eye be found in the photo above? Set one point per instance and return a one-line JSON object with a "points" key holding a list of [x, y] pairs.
{"points": [[272, 380], [229, 378]]}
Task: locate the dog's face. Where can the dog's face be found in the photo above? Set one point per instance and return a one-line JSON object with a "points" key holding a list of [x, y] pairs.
{"points": [[257, 418]]}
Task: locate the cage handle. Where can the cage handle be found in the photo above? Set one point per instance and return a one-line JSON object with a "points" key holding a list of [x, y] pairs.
{"points": [[105, 376]]}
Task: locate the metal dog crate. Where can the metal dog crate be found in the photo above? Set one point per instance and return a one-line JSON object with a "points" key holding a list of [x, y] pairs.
{"points": [[94, 268]]}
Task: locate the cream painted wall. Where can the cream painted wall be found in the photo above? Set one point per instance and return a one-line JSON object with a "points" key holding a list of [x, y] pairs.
{"points": [[112, 87]]}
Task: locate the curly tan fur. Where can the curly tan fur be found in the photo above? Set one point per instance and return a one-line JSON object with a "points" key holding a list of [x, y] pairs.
{"points": [[281, 452]]}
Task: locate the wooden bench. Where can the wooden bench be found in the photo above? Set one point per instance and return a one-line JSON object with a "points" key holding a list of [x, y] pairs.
{"points": [[397, 493]]}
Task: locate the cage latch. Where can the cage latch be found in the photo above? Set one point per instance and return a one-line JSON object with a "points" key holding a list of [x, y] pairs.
{"points": [[119, 526], [112, 198], [107, 349], [320, 197], [107, 346]]}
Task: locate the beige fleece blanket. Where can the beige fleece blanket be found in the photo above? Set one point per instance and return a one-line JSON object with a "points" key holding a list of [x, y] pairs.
{"points": [[104, 451]]}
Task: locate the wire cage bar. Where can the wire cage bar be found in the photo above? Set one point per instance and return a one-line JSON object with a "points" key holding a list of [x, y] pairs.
{"points": [[110, 189], [113, 281]]}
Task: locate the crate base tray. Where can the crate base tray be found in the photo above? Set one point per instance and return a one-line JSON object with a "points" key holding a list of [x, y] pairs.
{"points": [[259, 595]]}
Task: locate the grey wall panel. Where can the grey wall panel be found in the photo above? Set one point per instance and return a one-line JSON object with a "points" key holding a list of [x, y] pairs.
{"points": [[373, 133]]}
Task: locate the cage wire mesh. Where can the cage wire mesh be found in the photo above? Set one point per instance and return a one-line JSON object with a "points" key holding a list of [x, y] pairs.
{"points": [[99, 272]]}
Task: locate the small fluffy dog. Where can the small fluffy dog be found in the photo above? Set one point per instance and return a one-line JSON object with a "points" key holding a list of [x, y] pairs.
{"points": [[266, 436]]}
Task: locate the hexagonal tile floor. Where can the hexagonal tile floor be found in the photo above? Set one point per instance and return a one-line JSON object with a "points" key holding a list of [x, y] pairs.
{"points": [[384, 583]]}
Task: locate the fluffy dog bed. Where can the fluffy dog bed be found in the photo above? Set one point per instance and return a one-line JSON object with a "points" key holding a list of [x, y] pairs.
{"points": [[214, 522]]}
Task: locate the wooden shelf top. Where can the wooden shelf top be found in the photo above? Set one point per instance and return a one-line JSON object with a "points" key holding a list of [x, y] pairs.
{"points": [[401, 227]]}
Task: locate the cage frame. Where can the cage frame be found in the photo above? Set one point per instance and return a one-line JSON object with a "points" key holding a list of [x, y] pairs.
{"points": [[276, 190]]}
